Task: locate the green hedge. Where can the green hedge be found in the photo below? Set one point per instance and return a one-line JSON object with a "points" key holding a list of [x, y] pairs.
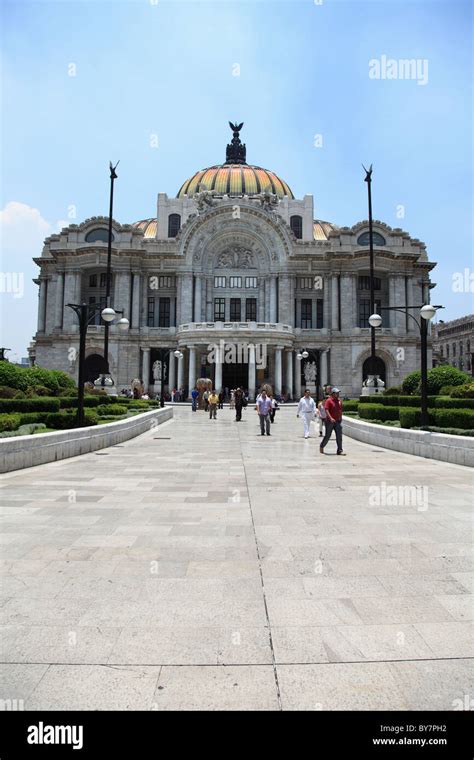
{"points": [[410, 417], [29, 404], [463, 391], [350, 406], [66, 420], [24, 430], [454, 418], [454, 403], [448, 431], [6, 392], [114, 410], [437, 378], [9, 422], [30, 418], [378, 412], [71, 403]]}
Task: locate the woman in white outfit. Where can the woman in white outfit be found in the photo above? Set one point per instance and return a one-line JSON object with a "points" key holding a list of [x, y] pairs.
{"points": [[306, 410], [321, 413]]}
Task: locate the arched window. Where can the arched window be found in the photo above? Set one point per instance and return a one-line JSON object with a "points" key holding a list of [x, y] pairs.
{"points": [[174, 225], [296, 224], [98, 235], [364, 239]]}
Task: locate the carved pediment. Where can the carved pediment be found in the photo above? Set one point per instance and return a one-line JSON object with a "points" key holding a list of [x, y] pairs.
{"points": [[236, 257]]}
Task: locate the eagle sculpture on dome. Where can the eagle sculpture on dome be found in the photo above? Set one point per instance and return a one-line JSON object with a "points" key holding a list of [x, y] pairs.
{"points": [[236, 127], [236, 153]]}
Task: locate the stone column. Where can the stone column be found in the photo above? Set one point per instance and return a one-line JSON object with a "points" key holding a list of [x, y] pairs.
{"points": [[289, 372], [209, 302], [284, 303], [197, 298], [71, 295], [252, 379], [411, 302], [122, 293], [171, 371], [347, 303], [297, 377], [59, 305], [218, 372], [146, 367], [334, 303], [43, 284], [180, 382], [192, 369], [186, 298], [277, 388], [135, 322], [323, 370], [273, 299], [261, 300]]}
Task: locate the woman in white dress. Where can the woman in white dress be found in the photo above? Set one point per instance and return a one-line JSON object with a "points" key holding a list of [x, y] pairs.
{"points": [[306, 410]]}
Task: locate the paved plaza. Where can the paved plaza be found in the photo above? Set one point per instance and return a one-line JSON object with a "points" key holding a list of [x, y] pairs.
{"points": [[202, 566]]}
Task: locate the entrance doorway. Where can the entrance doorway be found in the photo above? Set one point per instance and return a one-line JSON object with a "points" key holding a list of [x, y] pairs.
{"points": [[379, 368], [94, 366], [235, 375]]}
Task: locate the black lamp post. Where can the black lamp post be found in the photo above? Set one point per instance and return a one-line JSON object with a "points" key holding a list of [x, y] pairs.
{"points": [[368, 179], [108, 281], [162, 352], [86, 315], [3, 358], [427, 313]]}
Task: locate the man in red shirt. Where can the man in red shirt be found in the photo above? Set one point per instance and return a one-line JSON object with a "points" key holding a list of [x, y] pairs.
{"points": [[333, 407]]}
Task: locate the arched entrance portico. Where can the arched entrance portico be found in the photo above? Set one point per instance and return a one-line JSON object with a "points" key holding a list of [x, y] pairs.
{"points": [[94, 366], [378, 368]]}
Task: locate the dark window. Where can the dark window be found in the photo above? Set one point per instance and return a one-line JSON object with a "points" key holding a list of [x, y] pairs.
{"points": [[92, 280], [364, 312], [164, 314], [306, 314], [454, 349], [96, 320], [364, 283], [151, 312], [103, 279], [235, 309], [319, 313], [447, 350], [461, 349], [174, 224], [296, 224], [251, 309], [100, 234], [219, 309], [364, 239]]}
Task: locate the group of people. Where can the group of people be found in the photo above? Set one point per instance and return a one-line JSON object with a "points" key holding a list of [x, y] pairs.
{"points": [[327, 412]]}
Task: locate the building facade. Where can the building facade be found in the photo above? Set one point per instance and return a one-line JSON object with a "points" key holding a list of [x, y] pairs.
{"points": [[236, 273], [453, 343]]}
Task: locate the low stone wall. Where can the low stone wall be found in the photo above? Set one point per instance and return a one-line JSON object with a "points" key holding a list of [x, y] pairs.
{"points": [[29, 450], [457, 449]]}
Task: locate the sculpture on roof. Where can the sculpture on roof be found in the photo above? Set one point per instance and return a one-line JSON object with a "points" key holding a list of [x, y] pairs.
{"points": [[236, 152]]}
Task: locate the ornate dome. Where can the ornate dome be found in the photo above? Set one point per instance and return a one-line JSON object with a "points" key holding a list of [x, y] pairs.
{"points": [[235, 177]]}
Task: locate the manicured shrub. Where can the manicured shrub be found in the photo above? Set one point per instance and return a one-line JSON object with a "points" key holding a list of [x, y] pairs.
{"points": [[438, 377], [68, 420], [454, 403], [111, 410], [37, 390], [71, 403], [455, 418], [409, 417], [378, 412], [36, 376], [446, 390], [12, 376], [393, 391], [463, 391], [350, 406], [6, 392], [65, 381], [29, 405], [410, 382], [9, 422], [30, 418]]}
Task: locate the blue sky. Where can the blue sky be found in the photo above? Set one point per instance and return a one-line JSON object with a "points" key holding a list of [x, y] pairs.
{"points": [[168, 69]]}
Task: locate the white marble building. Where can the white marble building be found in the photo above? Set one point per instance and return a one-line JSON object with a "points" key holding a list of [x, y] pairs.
{"points": [[234, 261]]}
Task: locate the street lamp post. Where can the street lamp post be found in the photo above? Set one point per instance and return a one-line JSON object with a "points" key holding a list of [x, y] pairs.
{"points": [[368, 179], [108, 281], [86, 315], [304, 354], [161, 352], [427, 313]]}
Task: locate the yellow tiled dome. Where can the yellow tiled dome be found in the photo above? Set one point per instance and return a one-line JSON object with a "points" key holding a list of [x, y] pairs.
{"points": [[235, 180]]}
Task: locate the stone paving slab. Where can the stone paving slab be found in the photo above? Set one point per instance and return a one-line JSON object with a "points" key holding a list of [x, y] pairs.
{"points": [[221, 570]]}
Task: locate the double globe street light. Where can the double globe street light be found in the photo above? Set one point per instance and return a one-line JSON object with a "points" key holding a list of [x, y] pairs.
{"points": [[86, 314], [426, 313]]}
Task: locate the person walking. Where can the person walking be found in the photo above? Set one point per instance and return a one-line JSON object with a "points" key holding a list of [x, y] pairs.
{"points": [[321, 413], [306, 410], [194, 398], [263, 407], [333, 407], [213, 401], [274, 408], [239, 402], [205, 397], [221, 400]]}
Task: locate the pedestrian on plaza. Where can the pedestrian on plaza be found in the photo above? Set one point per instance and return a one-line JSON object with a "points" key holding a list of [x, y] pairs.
{"points": [[321, 415], [274, 408], [232, 399], [306, 410], [194, 399], [333, 407], [263, 407], [221, 400], [239, 402], [205, 398], [213, 401]]}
